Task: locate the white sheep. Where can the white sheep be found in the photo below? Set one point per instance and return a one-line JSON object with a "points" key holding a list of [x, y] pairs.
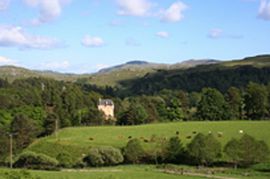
{"points": [[241, 131]]}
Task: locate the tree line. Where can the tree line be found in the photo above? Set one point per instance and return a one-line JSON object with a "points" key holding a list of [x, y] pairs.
{"points": [[203, 150]]}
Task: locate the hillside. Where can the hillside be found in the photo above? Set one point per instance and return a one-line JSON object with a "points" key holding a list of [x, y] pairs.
{"points": [[220, 76], [77, 141], [12, 73], [108, 76], [131, 71]]}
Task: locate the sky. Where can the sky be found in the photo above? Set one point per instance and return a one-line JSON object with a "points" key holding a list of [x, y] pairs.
{"points": [[83, 36]]}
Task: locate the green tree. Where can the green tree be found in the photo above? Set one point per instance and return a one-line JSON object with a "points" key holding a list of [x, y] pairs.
{"points": [[174, 108], [212, 106], [93, 117], [233, 151], [204, 149], [175, 150], [135, 114], [4, 143], [133, 152], [235, 102], [24, 129], [50, 124], [246, 151], [256, 101]]}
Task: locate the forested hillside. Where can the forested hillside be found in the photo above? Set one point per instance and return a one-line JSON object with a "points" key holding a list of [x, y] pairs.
{"points": [[220, 76]]}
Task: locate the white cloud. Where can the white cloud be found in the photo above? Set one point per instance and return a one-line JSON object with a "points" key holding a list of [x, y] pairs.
{"points": [[215, 33], [163, 34], [174, 13], [16, 37], [4, 4], [48, 9], [264, 10], [56, 65], [7, 61], [134, 7], [92, 41]]}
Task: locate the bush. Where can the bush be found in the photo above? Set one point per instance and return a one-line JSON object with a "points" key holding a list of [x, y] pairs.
{"points": [[17, 175], [133, 152], [246, 151], [204, 149], [65, 160], [262, 167], [33, 160], [175, 150], [104, 156]]}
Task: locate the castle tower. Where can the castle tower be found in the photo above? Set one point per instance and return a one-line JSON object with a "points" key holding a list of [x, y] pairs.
{"points": [[107, 107]]}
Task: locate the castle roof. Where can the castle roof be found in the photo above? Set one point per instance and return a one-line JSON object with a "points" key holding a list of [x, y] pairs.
{"points": [[105, 102]]}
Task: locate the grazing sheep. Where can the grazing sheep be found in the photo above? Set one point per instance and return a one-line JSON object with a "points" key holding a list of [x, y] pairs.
{"points": [[241, 131], [146, 141], [209, 132]]}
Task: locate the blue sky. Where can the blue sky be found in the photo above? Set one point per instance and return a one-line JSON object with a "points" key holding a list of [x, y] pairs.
{"points": [[82, 36]]}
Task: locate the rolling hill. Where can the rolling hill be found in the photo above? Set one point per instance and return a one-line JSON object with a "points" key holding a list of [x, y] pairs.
{"points": [[77, 141], [114, 76]]}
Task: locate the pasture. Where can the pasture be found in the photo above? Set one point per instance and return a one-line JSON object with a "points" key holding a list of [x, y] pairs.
{"points": [[78, 140]]}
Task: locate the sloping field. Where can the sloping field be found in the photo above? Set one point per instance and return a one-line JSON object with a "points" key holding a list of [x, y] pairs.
{"points": [[77, 141]]}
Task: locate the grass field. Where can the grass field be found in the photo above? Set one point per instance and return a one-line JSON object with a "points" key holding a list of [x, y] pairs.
{"points": [[135, 172], [77, 141]]}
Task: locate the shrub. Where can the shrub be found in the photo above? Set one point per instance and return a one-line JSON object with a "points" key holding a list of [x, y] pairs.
{"points": [[23, 174], [204, 149], [174, 150], [33, 160], [133, 152], [104, 156], [246, 151], [65, 160], [262, 167]]}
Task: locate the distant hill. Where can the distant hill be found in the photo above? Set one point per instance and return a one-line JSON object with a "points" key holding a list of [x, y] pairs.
{"points": [[115, 75], [137, 69], [12, 73], [221, 76]]}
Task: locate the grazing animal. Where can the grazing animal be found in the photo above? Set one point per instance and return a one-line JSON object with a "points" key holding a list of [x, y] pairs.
{"points": [[220, 134], [194, 132], [177, 132], [188, 137], [129, 137], [91, 138], [241, 131]]}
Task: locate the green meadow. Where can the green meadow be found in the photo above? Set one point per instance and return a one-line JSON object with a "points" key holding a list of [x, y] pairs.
{"points": [[78, 140]]}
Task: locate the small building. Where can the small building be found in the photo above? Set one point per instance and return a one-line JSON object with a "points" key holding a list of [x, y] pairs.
{"points": [[107, 107]]}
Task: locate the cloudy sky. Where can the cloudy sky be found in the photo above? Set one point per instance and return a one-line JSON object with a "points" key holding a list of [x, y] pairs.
{"points": [[85, 35]]}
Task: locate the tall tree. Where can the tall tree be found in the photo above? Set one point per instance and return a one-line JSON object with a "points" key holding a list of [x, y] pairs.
{"points": [[24, 129], [235, 102], [256, 101], [212, 106], [204, 149]]}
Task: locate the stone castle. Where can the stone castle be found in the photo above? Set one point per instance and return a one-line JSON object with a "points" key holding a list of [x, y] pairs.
{"points": [[107, 107]]}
